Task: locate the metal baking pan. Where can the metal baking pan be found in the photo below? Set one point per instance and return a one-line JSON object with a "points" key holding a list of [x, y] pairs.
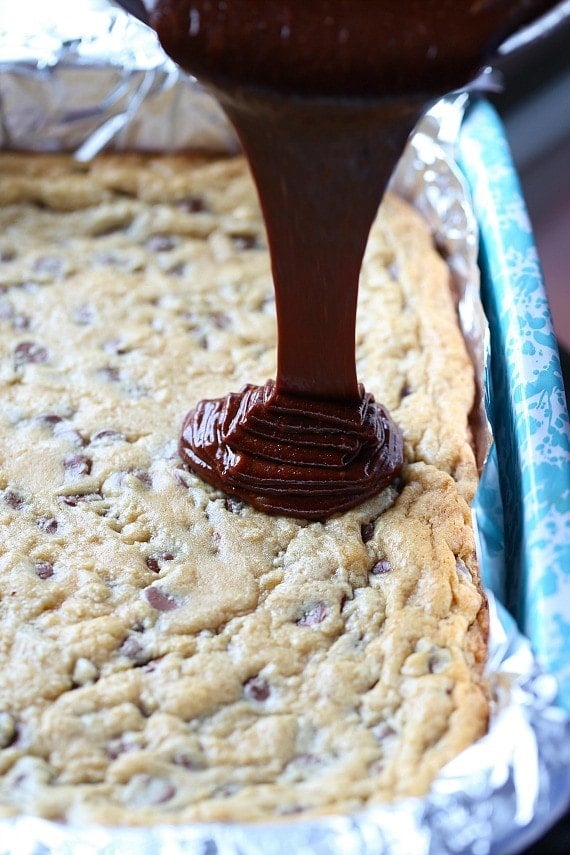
{"points": [[526, 403]]}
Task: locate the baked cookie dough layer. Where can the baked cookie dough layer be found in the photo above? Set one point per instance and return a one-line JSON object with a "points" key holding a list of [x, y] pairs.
{"points": [[168, 654]]}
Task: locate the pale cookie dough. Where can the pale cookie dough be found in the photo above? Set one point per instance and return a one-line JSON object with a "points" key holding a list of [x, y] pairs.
{"points": [[168, 654]]}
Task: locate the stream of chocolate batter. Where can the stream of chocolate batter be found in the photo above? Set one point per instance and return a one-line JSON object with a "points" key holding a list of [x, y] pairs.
{"points": [[323, 95]]}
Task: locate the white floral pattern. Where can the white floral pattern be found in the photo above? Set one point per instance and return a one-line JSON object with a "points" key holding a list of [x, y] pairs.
{"points": [[529, 414]]}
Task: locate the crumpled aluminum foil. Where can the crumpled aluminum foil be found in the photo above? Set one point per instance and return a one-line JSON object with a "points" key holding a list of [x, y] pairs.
{"points": [[77, 80], [100, 80]]}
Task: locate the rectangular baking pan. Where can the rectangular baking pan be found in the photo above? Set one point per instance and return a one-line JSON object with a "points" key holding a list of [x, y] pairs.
{"points": [[530, 513]]}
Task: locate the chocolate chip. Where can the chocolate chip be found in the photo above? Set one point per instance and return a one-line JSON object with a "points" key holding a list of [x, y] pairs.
{"points": [[123, 744], [394, 271], [84, 314], [152, 561], [256, 689], [115, 747], [20, 322], [151, 665], [316, 614], [130, 647], [71, 501], [147, 790], [107, 435], [225, 791], [367, 531], [30, 352], [220, 320], [109, 373], [77, 465], [177, 269], [290, 810], [381, 567], [383, 731], [7, 255], [142, 475], [234, 506], [161, 243], [49, 419], [186, 760], [160, 600], [115, 347], [44, 569], [194, 318], [78, 498], [405, 391], [134, 650], [167, 792], [47, 524], [14, 500], [62, 430], [245, 241], [438, 660], [192, 205]]}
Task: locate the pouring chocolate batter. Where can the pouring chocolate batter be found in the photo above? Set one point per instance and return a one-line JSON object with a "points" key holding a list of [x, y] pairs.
{"points": [[323, 95]]}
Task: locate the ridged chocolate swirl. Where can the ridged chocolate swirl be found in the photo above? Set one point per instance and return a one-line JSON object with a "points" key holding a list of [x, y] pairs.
{"points": [[277, 454]]}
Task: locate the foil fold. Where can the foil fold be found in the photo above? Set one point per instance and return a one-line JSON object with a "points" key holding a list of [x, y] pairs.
{"points": [[102, 81]]}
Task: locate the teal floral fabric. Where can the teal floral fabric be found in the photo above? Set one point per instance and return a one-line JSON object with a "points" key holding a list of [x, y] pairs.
{"points": [[523, 505]]}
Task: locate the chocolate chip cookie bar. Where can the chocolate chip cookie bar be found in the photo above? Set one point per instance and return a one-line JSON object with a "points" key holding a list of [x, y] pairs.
{"points": [[168, 654]]}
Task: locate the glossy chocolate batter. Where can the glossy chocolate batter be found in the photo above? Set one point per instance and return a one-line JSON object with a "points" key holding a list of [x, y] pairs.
{"points": [[323, 95]]}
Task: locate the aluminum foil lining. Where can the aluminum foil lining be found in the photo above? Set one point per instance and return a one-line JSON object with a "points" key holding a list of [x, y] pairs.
{"points": [[75, 75], [94, 79]]}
